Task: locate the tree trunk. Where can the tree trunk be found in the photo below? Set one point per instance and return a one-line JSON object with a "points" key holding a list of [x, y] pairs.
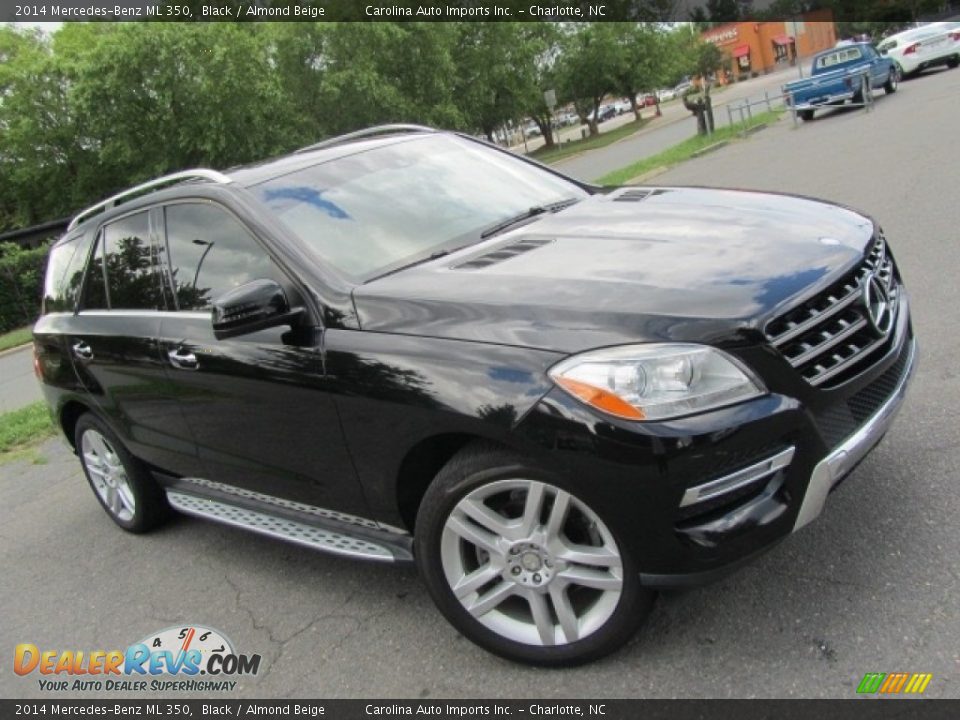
{"points": [[546, 129], [635, 107]]}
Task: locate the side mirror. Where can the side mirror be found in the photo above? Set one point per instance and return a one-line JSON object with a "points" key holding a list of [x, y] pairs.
{"points": [[254, 306]]}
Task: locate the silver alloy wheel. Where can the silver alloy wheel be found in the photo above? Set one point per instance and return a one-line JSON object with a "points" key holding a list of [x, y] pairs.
{"points": [[509, 558], [108, 475]]}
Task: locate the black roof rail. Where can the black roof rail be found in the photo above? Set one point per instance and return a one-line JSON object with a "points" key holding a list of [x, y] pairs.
{"points": [[365, 133]]}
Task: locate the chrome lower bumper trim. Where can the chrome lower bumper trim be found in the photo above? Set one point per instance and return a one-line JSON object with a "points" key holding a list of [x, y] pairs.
{"points": [[733, 481], [841, 461]]}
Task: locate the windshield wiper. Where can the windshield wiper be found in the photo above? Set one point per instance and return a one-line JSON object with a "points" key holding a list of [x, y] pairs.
{"points": [[528, 214], [436, 255]]}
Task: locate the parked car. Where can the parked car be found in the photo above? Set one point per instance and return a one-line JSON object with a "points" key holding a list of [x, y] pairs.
{"points": [[666, 94], [532, 130], [605, 112], [683, 87], [924, 47], [568, 119], [647, 100], [622, 106], [405, 345], [839, 75]]}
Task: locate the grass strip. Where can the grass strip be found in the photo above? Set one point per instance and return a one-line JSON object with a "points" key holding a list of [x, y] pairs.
{"points": [[24, 427], [574, 147], [683, 151], [15, 338]]}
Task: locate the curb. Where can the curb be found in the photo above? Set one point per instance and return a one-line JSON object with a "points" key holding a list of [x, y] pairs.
{"points": [[709, 148], [756, 128], [18, 348], [649, 175]]}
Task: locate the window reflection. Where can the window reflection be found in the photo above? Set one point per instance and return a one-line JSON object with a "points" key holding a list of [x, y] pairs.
{"points": [[210, 253], [371, 211]]}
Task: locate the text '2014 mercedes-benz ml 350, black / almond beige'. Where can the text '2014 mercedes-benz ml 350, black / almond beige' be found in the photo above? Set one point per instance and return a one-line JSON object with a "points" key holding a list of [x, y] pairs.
{"points": [[406, 345]]}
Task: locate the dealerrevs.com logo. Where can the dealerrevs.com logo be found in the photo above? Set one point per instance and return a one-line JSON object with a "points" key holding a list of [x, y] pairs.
{"points": [[183, 658]]}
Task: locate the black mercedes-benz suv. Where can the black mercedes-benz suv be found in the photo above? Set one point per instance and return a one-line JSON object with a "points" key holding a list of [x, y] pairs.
{"points": [[408, 345]]}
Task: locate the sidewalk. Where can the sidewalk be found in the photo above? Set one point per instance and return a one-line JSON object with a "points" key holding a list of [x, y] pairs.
{"points": [[18, 386]]}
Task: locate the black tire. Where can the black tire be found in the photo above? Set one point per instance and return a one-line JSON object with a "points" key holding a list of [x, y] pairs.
{"points": [[893, 80], [806, 115], [953, 62], [479, 465], [149, 500]]}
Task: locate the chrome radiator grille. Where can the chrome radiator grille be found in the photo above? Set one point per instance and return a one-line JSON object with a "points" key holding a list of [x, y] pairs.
{"points": [[833, 335]]}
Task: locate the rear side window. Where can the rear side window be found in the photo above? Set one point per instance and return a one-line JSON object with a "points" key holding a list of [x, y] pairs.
{"points": [[209, 253], [133, 270], [65, 274]]}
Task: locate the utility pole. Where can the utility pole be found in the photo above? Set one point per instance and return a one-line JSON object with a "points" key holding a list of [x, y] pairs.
{"points": [[796, 46]]}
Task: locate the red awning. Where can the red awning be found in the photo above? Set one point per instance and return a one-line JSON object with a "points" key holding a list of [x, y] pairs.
{"points": [[782, 40], [741, 50]]}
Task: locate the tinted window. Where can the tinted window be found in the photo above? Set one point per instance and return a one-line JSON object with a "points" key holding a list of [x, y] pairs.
{"points": [[376, 210], [65, 274], [210, 252], [94, 289], [133, 272]]}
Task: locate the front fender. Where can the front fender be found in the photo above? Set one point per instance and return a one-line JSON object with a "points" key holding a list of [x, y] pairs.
{"points": [[394, 391]]}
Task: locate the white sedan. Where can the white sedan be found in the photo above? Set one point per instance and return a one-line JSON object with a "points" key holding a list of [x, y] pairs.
{"points": [[917, 49]]}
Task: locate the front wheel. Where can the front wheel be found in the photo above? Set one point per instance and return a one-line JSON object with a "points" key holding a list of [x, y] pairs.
{"points": [[953, 62], [522, 565], [893, 80], [132, 498], [806, 115]]}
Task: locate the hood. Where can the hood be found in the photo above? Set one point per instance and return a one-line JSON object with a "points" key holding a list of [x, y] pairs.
{"points": [[635, 265]]}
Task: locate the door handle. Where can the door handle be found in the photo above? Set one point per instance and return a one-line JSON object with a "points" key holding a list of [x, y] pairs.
{"points": [[82, 350], [182, 359]]}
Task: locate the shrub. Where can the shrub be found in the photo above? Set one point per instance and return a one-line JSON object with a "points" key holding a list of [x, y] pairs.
{"points": [[21, 284]]}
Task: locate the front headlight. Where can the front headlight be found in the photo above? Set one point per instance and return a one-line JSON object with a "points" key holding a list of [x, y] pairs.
{"points": [[656, 381]]}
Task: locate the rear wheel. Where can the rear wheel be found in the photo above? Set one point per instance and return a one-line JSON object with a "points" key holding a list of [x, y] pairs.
{"points": [[132, 498], [806, 115], [953, 62], [523, 566], [893, 80]]}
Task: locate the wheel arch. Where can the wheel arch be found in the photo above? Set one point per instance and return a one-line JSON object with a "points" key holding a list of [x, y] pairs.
{"points": [[68, 416], [420, 466]]}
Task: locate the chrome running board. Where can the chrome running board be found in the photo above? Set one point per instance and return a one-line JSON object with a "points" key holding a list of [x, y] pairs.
{"points": [[277, 526]]}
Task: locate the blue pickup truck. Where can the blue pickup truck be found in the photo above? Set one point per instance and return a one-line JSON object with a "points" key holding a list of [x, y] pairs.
{"points": [[837, 76]]}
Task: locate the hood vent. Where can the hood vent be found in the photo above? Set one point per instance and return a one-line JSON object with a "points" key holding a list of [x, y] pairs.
{"points": [[636, 195], [504, 253]]}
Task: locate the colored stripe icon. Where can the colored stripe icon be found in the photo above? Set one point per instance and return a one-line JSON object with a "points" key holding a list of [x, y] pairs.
{"points": [[894, 683]]}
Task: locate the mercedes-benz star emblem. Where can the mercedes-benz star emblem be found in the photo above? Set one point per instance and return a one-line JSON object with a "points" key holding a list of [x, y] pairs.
{"points": [[876, 298]]}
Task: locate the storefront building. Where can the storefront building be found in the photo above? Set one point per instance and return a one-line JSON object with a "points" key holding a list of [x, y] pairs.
{"points": [[762, 47]]}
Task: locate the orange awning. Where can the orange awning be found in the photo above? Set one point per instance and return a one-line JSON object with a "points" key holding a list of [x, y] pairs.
{"points": [[782, 40], [740, 51]]}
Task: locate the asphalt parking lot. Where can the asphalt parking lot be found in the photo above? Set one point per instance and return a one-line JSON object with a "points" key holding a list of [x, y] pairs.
{"points": [[871, 586]]}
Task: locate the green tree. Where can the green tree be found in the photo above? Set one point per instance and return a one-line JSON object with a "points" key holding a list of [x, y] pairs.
{"points": [[588, 68], [495, 73], [640, 60]]}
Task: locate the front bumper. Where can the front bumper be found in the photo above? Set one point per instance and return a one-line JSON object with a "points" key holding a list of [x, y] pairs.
{"points": [[698, 497], [839, 463]]}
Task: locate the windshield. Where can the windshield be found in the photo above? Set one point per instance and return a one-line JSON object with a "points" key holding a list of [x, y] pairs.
{"points": [[375, 211]]}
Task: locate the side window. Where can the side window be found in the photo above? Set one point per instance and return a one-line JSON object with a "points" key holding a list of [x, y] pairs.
{"points": [[65, 274], [94, 288], [133, 270], [210, 252]]}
